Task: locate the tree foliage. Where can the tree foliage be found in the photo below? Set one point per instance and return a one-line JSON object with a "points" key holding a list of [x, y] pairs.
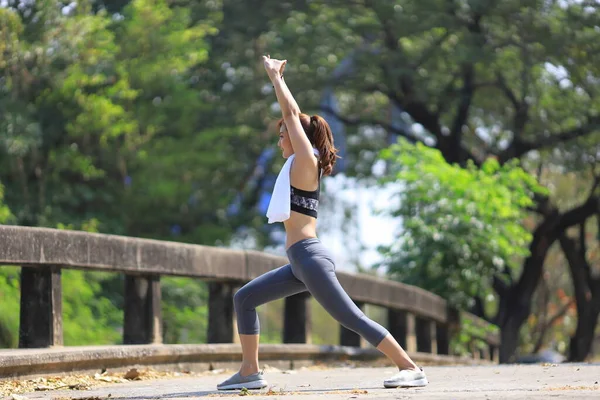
{"points": [[104, 120], [460, 226], [102, 129]]}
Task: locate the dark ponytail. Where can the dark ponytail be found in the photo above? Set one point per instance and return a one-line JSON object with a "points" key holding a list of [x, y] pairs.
{"points": [[319, 134]]}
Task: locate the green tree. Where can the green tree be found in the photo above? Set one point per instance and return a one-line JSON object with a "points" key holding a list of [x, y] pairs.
{"points": [[98, 118], [460, 226]]}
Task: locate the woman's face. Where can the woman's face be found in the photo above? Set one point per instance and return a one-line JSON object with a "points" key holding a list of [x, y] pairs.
{"points": [[284, 142]]}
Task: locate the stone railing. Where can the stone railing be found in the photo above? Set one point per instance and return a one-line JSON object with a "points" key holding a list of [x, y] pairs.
{"points": [[419, 320]]}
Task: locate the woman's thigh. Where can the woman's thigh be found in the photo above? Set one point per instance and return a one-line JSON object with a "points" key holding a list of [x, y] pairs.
{"points": [[272, 285], [321, 281]]}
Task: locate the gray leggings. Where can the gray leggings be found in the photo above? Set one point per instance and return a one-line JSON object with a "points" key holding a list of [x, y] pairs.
{"points": [[311, 268]]}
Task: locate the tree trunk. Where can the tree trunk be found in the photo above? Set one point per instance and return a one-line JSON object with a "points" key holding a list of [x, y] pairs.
{"points": [[514, 309], [515, 300], [580, 345], [587, 296]]}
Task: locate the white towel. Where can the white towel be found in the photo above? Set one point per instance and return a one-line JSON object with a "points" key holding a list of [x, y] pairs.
{"points": [[279, 206]]}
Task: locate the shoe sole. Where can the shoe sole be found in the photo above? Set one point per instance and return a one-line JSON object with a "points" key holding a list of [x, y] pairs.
{"points": [[248, 385], [416, 383]]}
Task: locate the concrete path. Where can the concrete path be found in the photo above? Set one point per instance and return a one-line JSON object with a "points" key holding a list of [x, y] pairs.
{"points": [[567, 381]]}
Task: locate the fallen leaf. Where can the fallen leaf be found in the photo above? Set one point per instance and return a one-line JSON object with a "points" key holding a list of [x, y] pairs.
{"points": [[132, 374]]}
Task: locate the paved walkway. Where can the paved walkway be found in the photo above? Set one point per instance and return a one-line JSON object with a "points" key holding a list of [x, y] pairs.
{"points": [[565, 381]]}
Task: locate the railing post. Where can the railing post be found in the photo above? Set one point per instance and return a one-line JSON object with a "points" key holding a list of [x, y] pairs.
{"points": [[445, 331], [494, 354], [442, 335], [397, 326], [423, 335], [348, 337], [41, 307], [220, 312], [142, 314], [297, 319], [401, 325]]}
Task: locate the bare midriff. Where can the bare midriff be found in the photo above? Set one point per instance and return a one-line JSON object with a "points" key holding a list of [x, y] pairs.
{"points": [[299, 227]]}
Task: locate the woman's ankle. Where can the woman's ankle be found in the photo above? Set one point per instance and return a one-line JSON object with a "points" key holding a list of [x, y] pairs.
{"points": [[412, 367], [249, 368]]}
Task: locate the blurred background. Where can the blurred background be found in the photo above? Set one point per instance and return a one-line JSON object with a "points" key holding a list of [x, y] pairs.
{"points": [[469, 132]]}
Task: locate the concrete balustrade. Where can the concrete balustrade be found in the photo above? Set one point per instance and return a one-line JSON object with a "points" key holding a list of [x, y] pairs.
{"points": [[419, 320]]}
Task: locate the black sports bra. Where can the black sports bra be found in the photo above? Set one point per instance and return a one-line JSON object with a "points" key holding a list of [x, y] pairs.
{"points": [[305, 202]]}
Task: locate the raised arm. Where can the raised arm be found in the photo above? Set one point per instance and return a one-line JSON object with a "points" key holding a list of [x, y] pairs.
{"points": [[291, 112]]}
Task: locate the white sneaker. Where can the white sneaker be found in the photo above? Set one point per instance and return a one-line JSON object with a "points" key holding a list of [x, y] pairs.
{"points": [[407, 378]]}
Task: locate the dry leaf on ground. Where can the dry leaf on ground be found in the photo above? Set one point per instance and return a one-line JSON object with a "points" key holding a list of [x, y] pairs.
{"points": [[132, 374]]}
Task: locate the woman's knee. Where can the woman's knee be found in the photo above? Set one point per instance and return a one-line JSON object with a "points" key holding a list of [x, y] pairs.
{"points": [[240, 298]]}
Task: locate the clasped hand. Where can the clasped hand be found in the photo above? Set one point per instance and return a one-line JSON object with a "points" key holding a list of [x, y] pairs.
{"points": [[274, 67]]}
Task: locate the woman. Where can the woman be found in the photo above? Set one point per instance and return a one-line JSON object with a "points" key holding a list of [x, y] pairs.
{"points": [[308, 142]]}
